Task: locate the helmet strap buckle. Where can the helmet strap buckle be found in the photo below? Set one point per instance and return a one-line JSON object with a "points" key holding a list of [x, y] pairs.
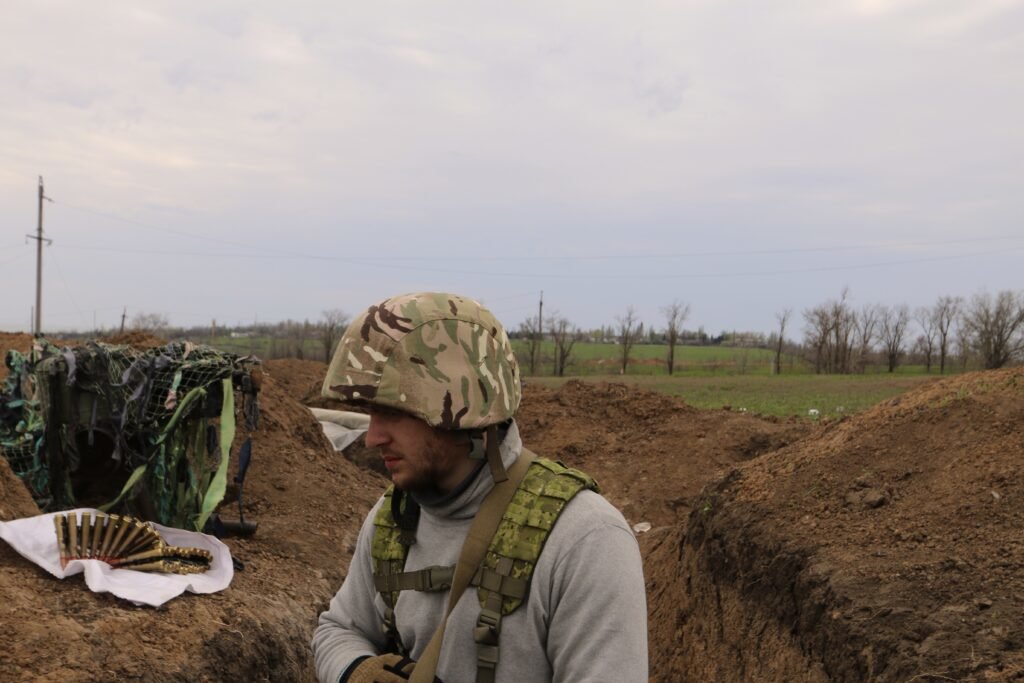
{"points": [[493, 454], [484, 445], [477, 447]]}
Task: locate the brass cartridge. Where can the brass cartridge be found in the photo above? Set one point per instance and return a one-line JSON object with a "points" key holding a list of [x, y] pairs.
{"points": [[60, 522], [73, 548], [84, 535]]}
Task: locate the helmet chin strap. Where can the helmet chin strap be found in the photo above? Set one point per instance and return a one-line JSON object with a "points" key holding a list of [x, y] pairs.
{"points": [[484, 444]]}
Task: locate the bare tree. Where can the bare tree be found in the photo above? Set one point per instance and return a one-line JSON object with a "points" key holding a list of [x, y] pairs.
{"points": [[331, 327], [996, 327], [782, 319], [926, 342], [627, 335], [816, 335], [843, 319], [963, 346], [894, 321], [149, 322], [945, 312], [532, 332], [675, 314], [565, 335], [866, 334], [829, 334], [289, 339]]}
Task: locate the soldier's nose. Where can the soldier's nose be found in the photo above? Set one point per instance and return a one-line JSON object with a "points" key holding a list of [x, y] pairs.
{"points": [[376, 434]]}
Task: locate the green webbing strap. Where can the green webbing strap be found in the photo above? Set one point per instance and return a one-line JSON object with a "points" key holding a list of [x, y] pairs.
{"points": [[495, 582], [215, 493], [470, 557], [438, 578], [504, 576], [136, 475], [430, 579], [183, 408], [488, 629]]}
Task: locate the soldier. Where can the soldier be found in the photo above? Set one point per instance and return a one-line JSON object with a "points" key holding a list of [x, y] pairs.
{"points": [[482, 562]]}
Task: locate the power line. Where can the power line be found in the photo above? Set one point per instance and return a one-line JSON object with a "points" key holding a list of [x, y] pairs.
{"points": [[568, 276], [596, 257], [67, 288]]}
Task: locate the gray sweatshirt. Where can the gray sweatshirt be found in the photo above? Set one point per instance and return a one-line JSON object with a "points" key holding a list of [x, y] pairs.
{"points": [[585, 618]]}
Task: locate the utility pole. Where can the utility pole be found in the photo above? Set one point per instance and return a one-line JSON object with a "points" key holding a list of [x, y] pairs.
{"points": [[38, 237], [540, 317], [124, 314], [540, 326]]}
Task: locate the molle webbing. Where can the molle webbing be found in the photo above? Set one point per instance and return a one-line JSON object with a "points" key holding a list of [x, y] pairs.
{"points": [[503, 579], [388, 552], [525, 526]]}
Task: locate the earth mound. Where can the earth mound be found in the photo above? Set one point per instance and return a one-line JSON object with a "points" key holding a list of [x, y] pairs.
{"points": [[15, 500], [651, 453], [19, 341], [309, 503], [138, 339], [886, 547], [300, 379]]}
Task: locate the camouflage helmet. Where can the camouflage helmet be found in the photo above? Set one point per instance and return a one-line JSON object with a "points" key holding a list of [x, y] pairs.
{"points": [[441, 357]]}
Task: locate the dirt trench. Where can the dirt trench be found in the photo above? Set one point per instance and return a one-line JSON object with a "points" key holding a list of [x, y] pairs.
{"points": [[885, 547]]}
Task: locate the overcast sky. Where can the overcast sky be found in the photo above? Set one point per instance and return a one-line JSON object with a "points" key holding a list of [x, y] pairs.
{"points": [[245, 161]]}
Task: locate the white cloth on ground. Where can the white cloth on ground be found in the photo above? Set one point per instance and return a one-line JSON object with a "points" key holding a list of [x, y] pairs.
{"points": [[35, 539]]}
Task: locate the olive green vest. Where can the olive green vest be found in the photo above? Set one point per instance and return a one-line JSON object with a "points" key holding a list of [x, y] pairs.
{"points": [[503, 579]]}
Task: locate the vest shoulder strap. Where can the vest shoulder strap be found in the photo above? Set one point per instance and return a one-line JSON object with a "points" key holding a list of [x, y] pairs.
{"points": [[513, 553], [508, 565], [525, 525], [503, 579], [387, 552]]}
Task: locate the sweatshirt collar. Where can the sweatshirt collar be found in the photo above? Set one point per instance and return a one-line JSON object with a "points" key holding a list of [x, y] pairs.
{"points": [[465, 504]]}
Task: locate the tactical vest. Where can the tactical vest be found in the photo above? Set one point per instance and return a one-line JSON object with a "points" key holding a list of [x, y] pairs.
{"points": [[503, 578]]}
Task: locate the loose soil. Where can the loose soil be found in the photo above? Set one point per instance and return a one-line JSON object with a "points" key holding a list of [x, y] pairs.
{"points": [[887, 546]]}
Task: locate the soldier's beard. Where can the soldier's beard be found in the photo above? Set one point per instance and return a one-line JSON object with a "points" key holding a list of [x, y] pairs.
{"points": [[432, 471]]}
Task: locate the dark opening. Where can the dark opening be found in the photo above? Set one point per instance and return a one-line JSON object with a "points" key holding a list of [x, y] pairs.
{"points": [[98, 478]]}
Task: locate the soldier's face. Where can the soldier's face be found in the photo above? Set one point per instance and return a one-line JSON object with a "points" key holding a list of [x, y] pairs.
{"points": [[417, 456]]}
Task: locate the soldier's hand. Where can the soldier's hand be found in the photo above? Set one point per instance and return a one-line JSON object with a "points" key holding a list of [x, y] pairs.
{"points": [[387, 668]]}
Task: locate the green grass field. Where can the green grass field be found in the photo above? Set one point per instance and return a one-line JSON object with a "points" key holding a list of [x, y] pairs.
{"points": [[264, 347], [717, 376], [781, 395], [649, 359]]}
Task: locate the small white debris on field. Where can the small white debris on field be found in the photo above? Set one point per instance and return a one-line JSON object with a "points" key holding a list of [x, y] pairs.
{"points": [[641, 527]]}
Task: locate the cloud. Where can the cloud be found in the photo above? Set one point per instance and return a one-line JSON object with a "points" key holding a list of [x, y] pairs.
{"points": [[446, 129]]}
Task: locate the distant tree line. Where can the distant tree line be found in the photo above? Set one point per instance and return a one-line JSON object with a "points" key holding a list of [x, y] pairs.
{"points": [[986, 331], [305, 339], [954, 333]]}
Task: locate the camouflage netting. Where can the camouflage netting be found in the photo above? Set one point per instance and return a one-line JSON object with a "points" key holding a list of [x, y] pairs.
{"points": [[144, 432]]}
